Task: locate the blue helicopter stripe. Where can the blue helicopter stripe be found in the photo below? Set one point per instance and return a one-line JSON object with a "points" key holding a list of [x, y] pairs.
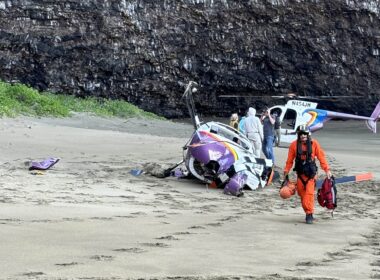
{"points": [[317, 116]]}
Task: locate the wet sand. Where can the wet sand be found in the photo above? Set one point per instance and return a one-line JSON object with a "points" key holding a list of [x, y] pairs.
{"points": [[89, 218]]}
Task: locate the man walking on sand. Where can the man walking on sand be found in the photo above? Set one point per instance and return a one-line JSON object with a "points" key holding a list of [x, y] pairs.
{"points": [[303, 151]]}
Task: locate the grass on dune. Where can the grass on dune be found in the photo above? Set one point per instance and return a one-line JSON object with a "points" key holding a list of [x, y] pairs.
{"points": [[18, 99]]}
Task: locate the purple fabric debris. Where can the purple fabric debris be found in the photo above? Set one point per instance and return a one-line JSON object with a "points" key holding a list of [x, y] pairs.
{"points": [[178, 173], [43, 165]]}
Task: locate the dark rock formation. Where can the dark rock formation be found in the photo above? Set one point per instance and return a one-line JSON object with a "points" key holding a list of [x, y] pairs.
{"points": [[145, 51]]}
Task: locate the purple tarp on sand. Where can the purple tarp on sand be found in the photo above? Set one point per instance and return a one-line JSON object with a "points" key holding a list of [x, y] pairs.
{"points": [[43, 165]]}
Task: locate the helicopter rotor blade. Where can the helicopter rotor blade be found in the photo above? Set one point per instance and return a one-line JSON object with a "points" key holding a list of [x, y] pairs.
{"points": [[241, 96], [339, 96], [331, 97], [291, 96]]}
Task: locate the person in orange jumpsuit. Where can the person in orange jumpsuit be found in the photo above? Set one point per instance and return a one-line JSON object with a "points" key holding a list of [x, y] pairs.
{"points": [[304, 151]]}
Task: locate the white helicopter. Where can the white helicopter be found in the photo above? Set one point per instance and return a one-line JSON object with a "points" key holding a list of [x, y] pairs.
{"points": [[297, 111]]}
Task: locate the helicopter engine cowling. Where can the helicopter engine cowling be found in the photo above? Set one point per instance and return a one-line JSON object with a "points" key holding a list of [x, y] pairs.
{"points": [[208, 160], [212, 152]]}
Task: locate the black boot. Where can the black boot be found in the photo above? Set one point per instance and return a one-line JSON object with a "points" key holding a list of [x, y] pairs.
{"points": [[309, 218]]}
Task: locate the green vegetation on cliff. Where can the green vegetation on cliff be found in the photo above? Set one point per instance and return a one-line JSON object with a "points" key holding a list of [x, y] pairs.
{"points": [[18, 99]]}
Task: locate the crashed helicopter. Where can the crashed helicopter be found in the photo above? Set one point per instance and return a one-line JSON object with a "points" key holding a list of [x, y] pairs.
{"points": [[219, 155]]}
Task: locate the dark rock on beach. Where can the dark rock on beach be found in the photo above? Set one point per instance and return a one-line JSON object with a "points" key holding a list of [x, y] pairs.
{"points": [[146, 51]]}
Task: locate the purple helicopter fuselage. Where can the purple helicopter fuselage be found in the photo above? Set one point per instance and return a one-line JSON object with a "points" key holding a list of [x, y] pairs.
{"points": [[206, 147]]}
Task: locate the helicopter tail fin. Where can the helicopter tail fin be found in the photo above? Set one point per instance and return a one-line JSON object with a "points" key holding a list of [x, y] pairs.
{"points": [[371, 124], [376, 112]]}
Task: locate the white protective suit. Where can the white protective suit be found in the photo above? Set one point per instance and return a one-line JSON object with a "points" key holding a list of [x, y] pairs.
{"points": [[254, 131]]}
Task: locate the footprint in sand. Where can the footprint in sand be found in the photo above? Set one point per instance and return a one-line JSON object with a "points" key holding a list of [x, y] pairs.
{"points": [[72, 220], [375, 263], [157, 244], [33, 274], [6, 200], [130, 250], [197, 227], [102, 258], [161, 216], [126, 217], [230, 218], [101, 218], [183, 233], [43, 221], [66, 264], [155, 185], [308, 263], [218, 224], [168, 237], [7, 221], [358, 244], [339, 255], [138, 213], [10, 189], [131, 197], [164, 196], [173, 213], [349, 250]]}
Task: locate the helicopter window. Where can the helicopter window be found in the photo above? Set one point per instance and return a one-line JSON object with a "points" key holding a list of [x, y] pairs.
{"points": [[290, 118], [226, 133], [214, 129], [230, 134]]}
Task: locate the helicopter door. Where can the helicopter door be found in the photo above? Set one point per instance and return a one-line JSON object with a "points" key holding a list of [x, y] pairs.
{"points": [[288, 126]]}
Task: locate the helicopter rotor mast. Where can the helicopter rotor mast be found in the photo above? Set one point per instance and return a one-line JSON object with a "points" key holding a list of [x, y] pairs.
{"points": [[188, 95]]}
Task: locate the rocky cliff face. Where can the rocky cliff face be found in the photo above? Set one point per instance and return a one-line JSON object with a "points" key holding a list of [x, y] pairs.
{"points": [[145, 51]]}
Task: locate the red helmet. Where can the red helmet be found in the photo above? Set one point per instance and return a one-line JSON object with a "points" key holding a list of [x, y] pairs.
{"points": [[288, 189]]}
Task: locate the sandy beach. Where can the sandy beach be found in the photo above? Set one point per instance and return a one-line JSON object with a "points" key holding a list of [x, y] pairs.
{"points": [[89, 218]]}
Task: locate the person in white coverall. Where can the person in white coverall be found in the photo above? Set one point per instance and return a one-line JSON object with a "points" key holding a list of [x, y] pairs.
{"points": [[254, 131]]}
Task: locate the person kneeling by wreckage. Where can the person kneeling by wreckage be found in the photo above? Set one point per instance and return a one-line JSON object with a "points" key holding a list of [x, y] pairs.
{"points": [[304, 150]]}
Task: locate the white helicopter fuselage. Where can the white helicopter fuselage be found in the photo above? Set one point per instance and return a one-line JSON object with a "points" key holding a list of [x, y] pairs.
{"points": [[291, 116]]}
